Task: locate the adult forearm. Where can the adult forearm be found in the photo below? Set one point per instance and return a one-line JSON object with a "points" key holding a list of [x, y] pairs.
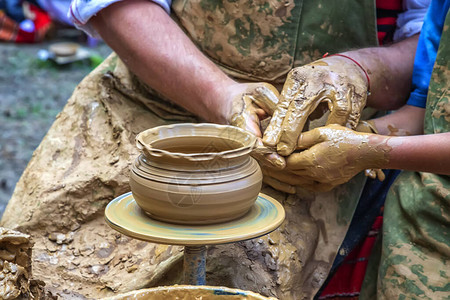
{"points": [[153, 46], [390, 71]]}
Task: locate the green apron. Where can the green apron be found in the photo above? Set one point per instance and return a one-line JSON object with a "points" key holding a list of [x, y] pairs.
{"points": [[413, 259], [263, 40], [90, 147]]}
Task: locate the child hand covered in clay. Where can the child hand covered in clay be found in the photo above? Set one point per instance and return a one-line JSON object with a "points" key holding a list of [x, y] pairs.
{"points": [[331, 155]]}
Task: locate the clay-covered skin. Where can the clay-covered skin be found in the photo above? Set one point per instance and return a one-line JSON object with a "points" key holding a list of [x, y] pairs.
{"points": [[336, 81], [284, 180], [369, 127], [394, 131], [333, 155], [258, 101], [268, 157]]}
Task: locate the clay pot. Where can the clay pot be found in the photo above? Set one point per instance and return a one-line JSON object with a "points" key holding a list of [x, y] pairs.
{"points": [[195, 173], [188, 292]]}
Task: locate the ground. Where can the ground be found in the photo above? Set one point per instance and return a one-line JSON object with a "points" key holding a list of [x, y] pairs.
{"points": [[32, 93]]}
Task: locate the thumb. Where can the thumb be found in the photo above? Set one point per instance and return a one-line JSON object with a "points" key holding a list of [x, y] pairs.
{"points": [[248, 121], [278, 185], [266, 97], [340, 109], [309, 138]]}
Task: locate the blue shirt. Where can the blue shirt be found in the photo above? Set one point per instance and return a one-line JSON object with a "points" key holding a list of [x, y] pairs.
{"points": [[426, 51]]}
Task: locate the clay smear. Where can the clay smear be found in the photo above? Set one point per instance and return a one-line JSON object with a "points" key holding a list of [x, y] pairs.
{"points": [[334, 154], [332, 81], [15, 263], [394, 131]]}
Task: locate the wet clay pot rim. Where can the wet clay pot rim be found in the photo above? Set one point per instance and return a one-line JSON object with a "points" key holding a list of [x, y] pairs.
{"points": [[146, 139], [147, 171]]}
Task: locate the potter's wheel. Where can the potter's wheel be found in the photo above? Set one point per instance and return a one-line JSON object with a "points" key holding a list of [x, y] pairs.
{"points": [[125, 216]]}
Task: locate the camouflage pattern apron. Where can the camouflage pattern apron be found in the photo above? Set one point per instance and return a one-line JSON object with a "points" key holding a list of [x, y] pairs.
{"points": [[83, 162], [263, 40], [413, 259]]}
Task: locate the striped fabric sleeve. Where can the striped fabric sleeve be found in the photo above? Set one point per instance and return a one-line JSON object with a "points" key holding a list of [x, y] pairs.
{"points": [[387, 13], [81, 11]]}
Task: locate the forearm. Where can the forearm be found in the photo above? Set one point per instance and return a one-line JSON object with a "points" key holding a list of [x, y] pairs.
{"points": [[390, 70], [154, 48], [408, 120], [427, 153]]}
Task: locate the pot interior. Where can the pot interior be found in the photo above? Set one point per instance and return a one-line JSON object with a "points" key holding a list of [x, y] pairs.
{"points": [[196, 144], [195, 141]]}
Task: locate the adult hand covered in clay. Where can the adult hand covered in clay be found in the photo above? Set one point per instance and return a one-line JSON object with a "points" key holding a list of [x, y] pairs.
{"points": [[285, 180], [335, 80], [333, 155], [252, 103]]}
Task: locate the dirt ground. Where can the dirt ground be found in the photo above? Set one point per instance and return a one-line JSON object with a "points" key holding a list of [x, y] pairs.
{"points": [[32, 93]]}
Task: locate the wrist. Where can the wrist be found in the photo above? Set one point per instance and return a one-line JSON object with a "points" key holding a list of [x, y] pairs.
{"points": [[379, 151], [352, 65], [215, 100], [230, 100]]}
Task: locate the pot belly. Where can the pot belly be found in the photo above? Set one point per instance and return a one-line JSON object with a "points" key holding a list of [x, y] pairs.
{"points": [[179, 201]]}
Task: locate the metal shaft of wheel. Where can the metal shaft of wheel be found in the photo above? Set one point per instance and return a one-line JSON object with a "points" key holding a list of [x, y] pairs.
{"points": [[195, 265]]}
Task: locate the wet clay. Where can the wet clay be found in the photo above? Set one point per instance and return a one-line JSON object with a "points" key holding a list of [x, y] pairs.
{"points": [[287, 257], [247, 107], [337, 81], [334, 154], [195, 173], [15, 264], [186, 292], [367, 126], [394, 131], [89, 150], [248, 110]]}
